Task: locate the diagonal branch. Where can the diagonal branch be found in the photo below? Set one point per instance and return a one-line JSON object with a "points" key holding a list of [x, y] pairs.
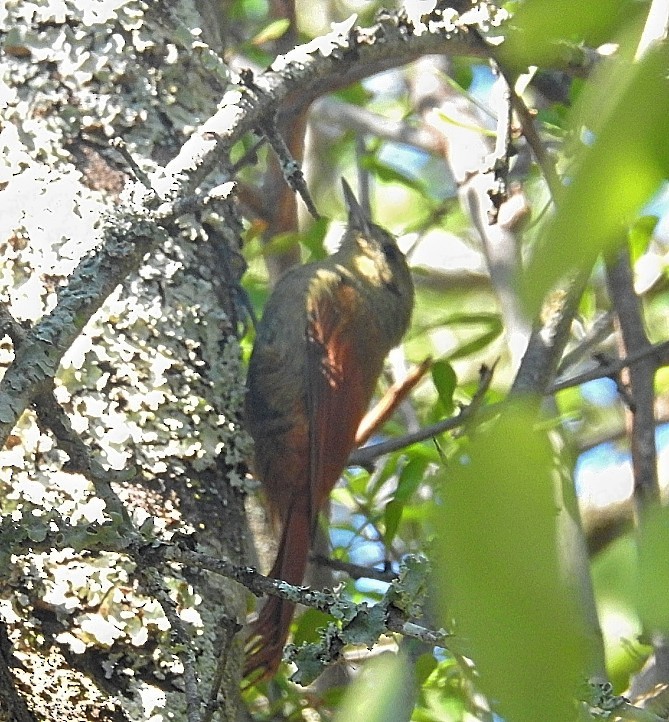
{"points": [[366, 455]]}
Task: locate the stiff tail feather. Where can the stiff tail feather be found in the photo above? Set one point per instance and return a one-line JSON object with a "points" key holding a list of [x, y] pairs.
{"points": [[269, 631]]}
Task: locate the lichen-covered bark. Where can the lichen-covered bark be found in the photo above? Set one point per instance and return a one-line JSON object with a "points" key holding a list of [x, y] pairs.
{"points": [[153, 383]]}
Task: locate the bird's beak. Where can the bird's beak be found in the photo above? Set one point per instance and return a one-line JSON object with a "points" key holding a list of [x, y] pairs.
{"points": [[357, 218]]}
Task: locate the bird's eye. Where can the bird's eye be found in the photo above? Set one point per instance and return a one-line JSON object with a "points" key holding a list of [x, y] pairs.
{"points": [[391, 251]]}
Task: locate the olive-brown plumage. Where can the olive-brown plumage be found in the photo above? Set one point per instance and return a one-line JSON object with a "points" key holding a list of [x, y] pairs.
{"points": [[325, 332]]}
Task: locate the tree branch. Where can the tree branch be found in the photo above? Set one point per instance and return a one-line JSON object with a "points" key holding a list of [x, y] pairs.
{"points": [[362, 120], [259, 584], [657, 354], [324, 65], [641, 376], [355, 571], [364, 456]]}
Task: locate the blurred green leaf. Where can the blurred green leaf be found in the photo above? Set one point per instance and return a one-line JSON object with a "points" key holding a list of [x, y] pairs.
{"points": [[554, 119], [450, 120], [624, 112], [653, 582], [355, 94], [461, 71], [313, 239], [392, 515], [499, 571], [379, 479], [493, 328], [389, 175], [491, 320], [615, 576], [445, 381], [381, 693], [640, 235], [273, 31], [425, 665], [472, 347], [541, 31], [252, 8], [308, 625], [281, 243], [411, 477], [409, 480]]}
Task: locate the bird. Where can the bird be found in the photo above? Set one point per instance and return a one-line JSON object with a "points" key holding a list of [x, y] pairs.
{"points": [[318, 354]]}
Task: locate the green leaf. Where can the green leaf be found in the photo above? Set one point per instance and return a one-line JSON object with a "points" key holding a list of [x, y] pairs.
{"points": [[425, 665], [461, 71], [445, 381], [355, 94], [389, 175], [542, 31], [313, 239], [308, 625], [653, 582], [281, 243], [640, 235], [499, 571], [624, 112], [475, 345], [273, 31], [411, 477], [383, 692], [409, 480], [490, 320], [392, 516]]}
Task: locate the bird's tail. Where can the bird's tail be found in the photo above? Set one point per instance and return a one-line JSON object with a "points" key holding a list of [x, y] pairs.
{"points": [[269, 631]]}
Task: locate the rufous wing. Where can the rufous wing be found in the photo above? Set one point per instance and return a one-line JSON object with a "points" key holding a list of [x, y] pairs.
{"points": [[339, 387]]}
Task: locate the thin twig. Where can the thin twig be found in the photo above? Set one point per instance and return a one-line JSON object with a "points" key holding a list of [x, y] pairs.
{"points": [[251, 156], [544, 160], [376, 417], [363, 457], [601, 329], [498, 191], [355, 571], [289, 166], [659, 353], [228, 628], [361, 120], [120, 145]]}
